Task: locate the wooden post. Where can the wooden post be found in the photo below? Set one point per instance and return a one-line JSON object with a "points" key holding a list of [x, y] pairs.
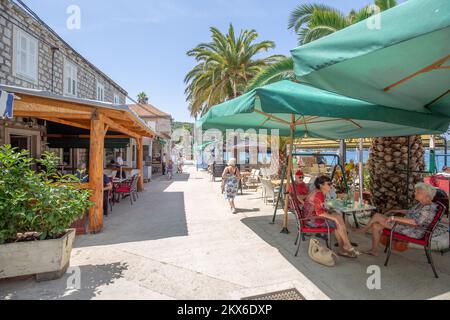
{"points": [[288, 177], [97, 143], [139, 162]]}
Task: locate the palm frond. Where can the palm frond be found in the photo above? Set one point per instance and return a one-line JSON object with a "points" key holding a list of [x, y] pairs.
{"points": [[385, 4], [301, 15], [281, 70]]}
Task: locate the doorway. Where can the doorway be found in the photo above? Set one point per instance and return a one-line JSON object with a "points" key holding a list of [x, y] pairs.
{"points": [[20, 142], [24, 140]]}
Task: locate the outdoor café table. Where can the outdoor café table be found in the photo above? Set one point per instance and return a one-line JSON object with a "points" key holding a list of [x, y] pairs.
{"points": [[353, 208], [277, 182]]}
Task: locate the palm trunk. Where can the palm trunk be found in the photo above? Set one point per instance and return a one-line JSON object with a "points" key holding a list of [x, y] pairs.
{"points": [[388, 163]]}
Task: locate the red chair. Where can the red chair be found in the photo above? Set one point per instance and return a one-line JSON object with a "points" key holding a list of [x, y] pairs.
{"points": [[303, 227], [425, 241], [127, 188], [111, 194]]}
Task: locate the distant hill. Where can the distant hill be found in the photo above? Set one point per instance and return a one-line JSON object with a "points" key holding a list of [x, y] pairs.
{"points": [[187, 125]]}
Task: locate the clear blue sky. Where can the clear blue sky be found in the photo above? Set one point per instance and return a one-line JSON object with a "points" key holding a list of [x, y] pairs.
{"points": [[142, 44]]}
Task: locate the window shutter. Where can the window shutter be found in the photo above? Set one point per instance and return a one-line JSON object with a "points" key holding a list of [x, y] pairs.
{"points": [[21, 53], [26, 55], [32, 56], [67, 77]]}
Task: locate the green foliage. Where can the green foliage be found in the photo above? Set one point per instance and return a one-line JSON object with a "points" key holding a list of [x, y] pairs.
{"points": [[281, 70], [183, 125], [367, 179], [385, 4], [225, 67], [45, 202], [142, 98], [312, 21]]}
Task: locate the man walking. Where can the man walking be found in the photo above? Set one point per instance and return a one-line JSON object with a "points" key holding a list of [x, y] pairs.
{"points": [[164, 161]]}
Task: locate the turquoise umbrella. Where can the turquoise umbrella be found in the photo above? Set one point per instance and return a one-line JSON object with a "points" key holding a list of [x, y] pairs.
{"points": [[307, 111], [404, 64], [299, 109], [202, 146]]}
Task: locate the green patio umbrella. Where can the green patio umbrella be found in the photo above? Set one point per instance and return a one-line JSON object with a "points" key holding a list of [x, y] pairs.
{"points": [[299, 109], [405, 63], [203, 146]]}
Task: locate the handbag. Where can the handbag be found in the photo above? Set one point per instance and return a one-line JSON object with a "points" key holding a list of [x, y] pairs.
{"points": [[320, 254]]}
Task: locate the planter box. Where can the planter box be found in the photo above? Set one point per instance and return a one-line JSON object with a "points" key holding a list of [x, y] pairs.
{"points": [[47, 259], [81, 225]]}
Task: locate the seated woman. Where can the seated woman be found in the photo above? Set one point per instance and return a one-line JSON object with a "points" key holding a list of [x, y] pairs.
{"points": [[421, 215], [301, 189], [315, 206]]}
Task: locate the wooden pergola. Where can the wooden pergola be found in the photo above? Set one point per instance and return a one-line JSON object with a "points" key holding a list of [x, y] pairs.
{"points": [[98, 118]]}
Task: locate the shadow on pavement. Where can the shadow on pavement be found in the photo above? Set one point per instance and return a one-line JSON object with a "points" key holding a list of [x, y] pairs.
{"points": [[79, 283], [408, 275], [157, 214]]}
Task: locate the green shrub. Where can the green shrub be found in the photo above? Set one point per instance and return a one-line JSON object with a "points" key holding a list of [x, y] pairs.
{"points": [[45, 202]]}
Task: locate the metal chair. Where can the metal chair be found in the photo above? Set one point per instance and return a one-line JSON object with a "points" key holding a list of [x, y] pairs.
{"points": [[128, 188], [425, 241], [303, 227], [269, 191], [254, 179]]}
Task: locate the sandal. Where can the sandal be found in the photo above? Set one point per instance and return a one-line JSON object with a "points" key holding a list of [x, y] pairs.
{"points": [[352, 253]]}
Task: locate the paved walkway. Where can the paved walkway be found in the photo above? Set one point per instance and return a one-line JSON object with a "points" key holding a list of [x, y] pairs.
{"points": [[180, 241]]}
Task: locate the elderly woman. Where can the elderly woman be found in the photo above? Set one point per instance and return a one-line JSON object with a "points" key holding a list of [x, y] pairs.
{"points": [[421, 215], [314, 207], [231, 177]]}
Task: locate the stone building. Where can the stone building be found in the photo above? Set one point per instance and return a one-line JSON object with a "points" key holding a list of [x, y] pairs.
{"points": [[33, 56], [161, 123]]}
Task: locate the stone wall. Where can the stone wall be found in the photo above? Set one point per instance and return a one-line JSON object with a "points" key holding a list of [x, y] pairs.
{"points": [[13, 18]]}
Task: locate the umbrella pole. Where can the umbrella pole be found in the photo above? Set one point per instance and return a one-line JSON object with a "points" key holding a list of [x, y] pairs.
{"points": [[288, 177], [361, 170], [279, 197]]}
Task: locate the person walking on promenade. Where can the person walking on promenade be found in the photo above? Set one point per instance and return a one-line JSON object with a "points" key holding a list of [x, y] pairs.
{"points": [[231, 177]]}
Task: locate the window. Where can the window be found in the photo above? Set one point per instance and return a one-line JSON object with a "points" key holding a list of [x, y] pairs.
{"points": [[116, 99], [26, 56], [100, 92], [152, 125], [70, 78]]}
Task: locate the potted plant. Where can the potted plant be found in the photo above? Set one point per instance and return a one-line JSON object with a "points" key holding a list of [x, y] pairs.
{"points": [[36, 210]]}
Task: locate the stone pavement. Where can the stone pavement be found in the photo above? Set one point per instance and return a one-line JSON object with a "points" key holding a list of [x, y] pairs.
{"points": [[180, 241]]}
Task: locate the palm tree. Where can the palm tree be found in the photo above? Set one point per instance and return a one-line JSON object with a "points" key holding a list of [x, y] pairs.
{"points": [[225, 67], [311, 22], [142, 98]]}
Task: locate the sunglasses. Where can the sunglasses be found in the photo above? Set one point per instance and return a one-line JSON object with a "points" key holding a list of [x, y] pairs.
{"points": [[329, 183]]}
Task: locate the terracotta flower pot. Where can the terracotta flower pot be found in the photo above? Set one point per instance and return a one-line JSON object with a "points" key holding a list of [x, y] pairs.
{"points": [[398, 246]]}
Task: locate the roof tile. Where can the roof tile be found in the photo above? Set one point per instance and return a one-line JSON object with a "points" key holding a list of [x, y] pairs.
{"points": [[147, 110]]}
